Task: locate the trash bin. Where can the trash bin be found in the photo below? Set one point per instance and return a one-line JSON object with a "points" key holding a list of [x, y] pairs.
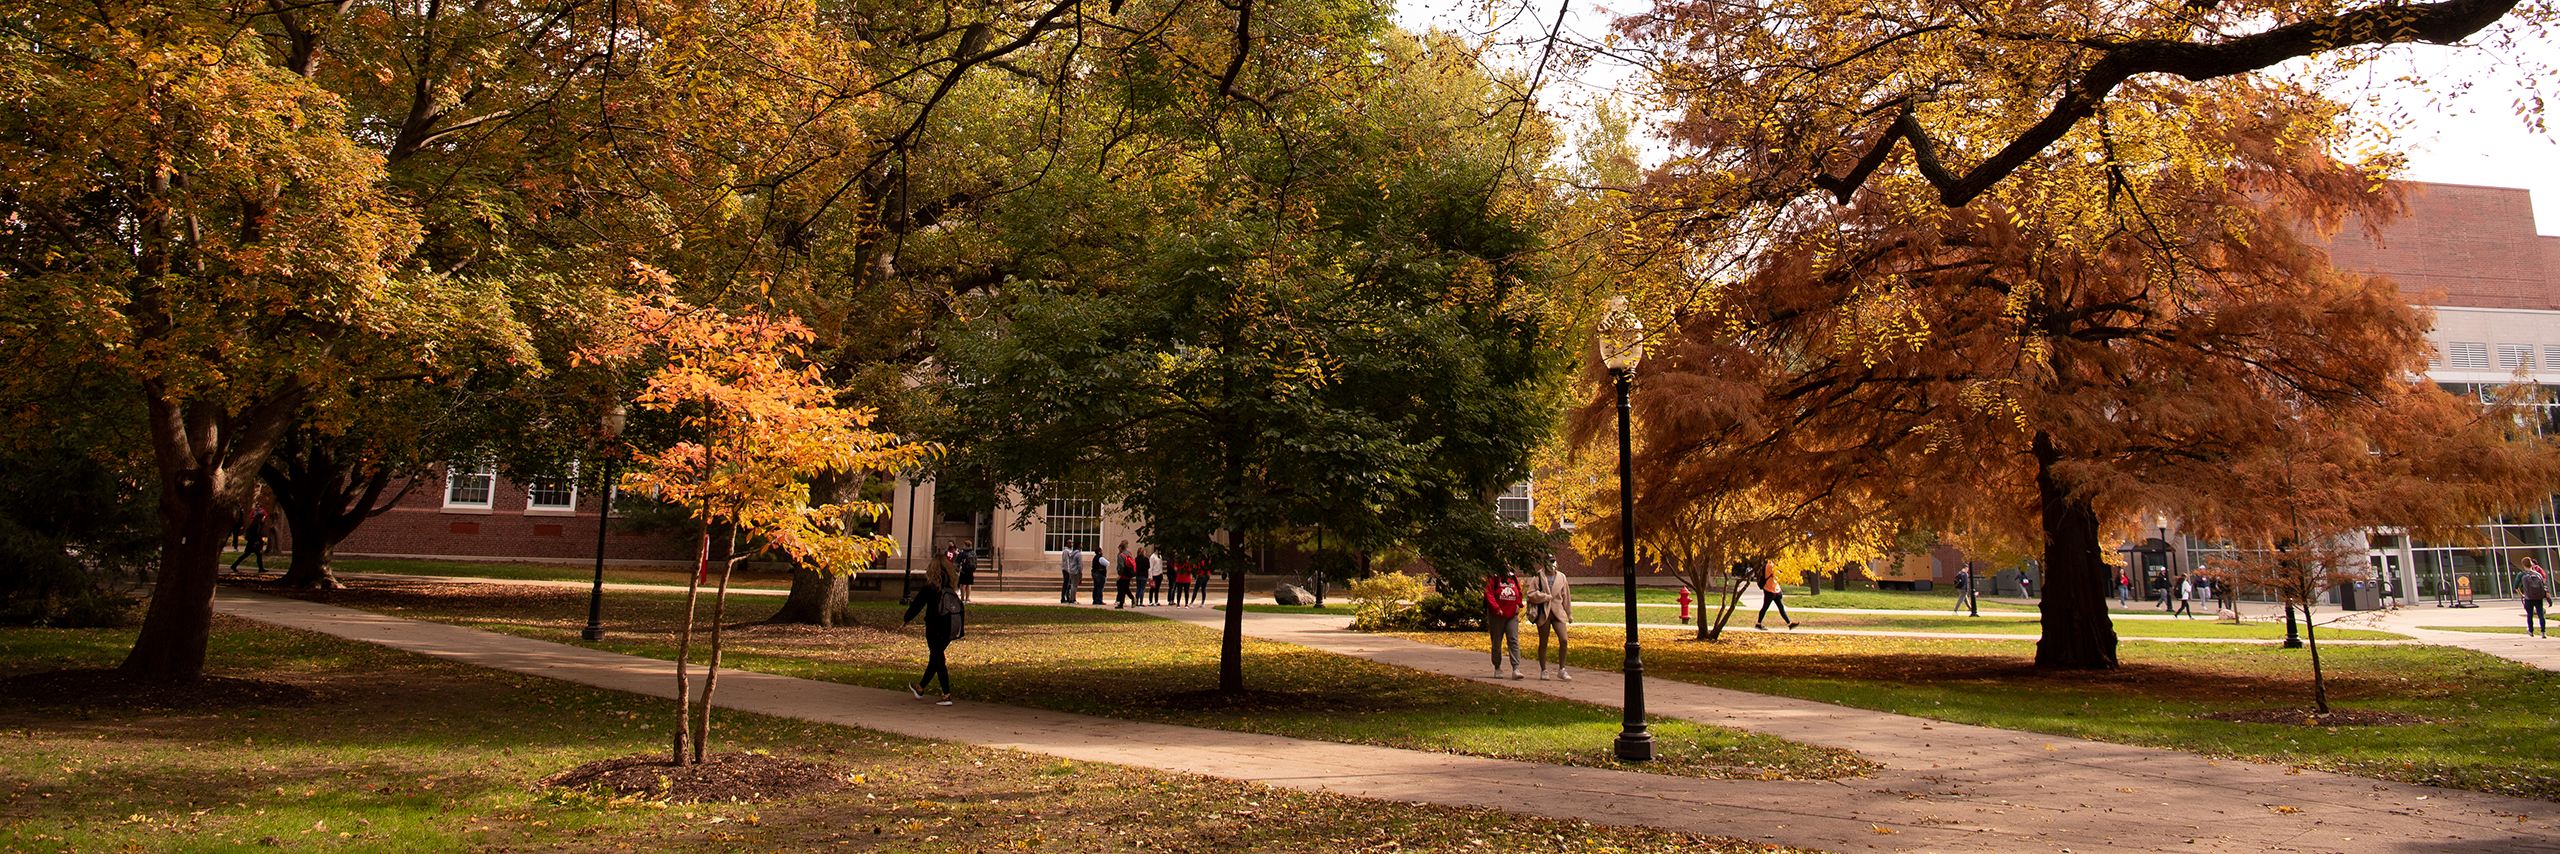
{"points": [[2362, 596]]}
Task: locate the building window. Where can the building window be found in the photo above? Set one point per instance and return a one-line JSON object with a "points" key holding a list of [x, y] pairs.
{"points": [[2513, 357], [468, 485], [2551, 355], [1074, 520], [553, 494], [1514, 504], [2467, 356]]}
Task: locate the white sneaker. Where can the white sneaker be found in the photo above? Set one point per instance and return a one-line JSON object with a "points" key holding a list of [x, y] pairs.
{"points": [[1542, 674], [1515, 672], [1560, 674]]}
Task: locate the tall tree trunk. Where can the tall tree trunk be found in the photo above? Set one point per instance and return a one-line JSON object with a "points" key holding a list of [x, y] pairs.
{"points": [[684, 640], [821, 598], [2077, 635], [208, 460], [719, 619], [817, 599], [2319, 680], [324, 499], [1231, 646]]}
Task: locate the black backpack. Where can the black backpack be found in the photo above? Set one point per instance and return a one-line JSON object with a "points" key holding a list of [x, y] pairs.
{"points": [[956, 611]]}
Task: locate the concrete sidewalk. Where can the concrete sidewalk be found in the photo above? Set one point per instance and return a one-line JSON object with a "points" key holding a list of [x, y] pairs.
{"points": [[1947, 787]]}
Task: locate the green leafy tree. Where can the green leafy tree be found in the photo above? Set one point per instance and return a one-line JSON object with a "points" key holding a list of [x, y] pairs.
{"points": [[1327, 306]]}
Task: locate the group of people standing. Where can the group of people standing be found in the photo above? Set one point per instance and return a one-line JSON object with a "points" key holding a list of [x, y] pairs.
{"points": [[1144, 579], [1546, 600]]}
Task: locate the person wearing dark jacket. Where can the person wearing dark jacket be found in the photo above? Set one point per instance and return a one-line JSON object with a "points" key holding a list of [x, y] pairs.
{"points": [[1127, 571], [937, 627], [1101, 570]]}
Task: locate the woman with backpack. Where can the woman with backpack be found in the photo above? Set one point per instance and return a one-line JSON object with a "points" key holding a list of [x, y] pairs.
{"points": [[939, 602]]}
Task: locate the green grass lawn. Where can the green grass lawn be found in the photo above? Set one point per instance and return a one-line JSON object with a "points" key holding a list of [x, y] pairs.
{"points": [[403, 753], [2002, 624], [1126, 665], [2493, 724]]}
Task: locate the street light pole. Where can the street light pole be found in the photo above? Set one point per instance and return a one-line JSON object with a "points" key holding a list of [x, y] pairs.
{"points": [[612, 427], [1621, 346]]}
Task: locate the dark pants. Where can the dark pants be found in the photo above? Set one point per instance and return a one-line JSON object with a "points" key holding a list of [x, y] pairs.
{"points": [[2536, 617], [1123, 600], [1778, 599], [935, 667], [1097, 587], [1067, 588]]}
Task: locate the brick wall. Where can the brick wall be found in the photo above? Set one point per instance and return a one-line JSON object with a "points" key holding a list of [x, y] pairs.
{"points": [[2460, 246], [421, 526]]}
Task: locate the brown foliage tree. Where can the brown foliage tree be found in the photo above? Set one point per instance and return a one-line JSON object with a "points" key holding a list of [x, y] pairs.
{"points": [[1794, 97], [2105, 333]]}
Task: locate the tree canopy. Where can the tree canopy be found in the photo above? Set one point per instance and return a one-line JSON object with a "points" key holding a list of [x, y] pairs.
{"points": [[2101, 335], [1328, 308]]}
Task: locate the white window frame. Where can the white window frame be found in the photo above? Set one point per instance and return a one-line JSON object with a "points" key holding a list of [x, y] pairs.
{"points": [[2512, 357], [1524, 496], [456, 478], [1063, 514], [533, 493], [2467, 355]]}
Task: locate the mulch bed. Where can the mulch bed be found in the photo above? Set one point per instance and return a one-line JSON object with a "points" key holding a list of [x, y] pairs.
{"points": [[105, 688], [719, 777], [2307, 717]]}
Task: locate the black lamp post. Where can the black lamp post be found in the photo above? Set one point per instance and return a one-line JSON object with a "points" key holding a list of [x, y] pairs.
{"points": [[612, 423], [1621, 346]]}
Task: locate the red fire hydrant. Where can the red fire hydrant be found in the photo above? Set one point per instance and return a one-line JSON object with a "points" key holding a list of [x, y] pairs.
{"points": [[1684, 604]]}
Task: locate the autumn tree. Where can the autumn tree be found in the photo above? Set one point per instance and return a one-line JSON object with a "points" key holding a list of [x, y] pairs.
{"points": [[2112, 330], [2296, 508], [763, 424], [1783, 100]]}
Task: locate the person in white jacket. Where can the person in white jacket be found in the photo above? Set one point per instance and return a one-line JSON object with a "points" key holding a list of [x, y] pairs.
{"points": [[1071, 565], [1551, 610]]}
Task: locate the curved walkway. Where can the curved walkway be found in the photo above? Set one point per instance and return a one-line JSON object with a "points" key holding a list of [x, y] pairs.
{"points": [[1946, 787]]}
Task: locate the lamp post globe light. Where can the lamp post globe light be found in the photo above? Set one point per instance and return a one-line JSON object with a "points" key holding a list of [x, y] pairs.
{"points": [[611, 425], [1621, 346]]}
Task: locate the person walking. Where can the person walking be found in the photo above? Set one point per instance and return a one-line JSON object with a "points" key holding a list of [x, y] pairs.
{"points": [[1101, 570], [2535, 586], [1502, 617], [1965, 600], [1771, 593], [1071, 567], [1550, 599], [940, 604], [2186, 592], [2124, 590], [1124, 568], [253, 540], [967, 558], [1155, 578]]}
